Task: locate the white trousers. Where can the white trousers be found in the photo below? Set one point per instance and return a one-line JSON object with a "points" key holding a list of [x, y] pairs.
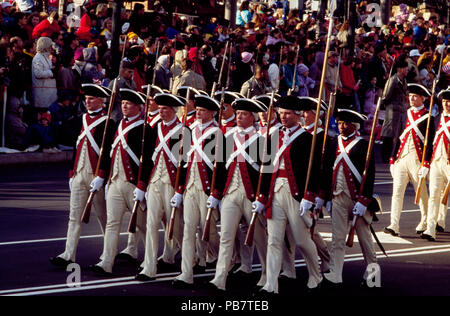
{"points": [[194, 215], [159, 210], [285, 210], [119, 199], [439, 177], [405, 171], [78, 198], [234, 206], [342, 210]]}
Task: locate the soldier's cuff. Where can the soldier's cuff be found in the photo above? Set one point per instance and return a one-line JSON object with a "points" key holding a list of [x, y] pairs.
{"points": [[426, 164], [71, 173], [364, 200], [262, 199], [180, 189], [310, 196], [216, 194], [391, 161], [101, 173], [141, 185]]}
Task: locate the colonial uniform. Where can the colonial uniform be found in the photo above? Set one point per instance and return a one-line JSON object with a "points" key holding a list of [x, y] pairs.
{"points": [[239, 190], [85, 162], [196, 178], [406, 161], [161, 167], [349, 163], [125, 153], [284, 194], [439, 174]]}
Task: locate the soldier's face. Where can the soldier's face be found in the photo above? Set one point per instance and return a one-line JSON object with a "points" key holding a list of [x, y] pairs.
{"points": [[415, 100], [167, 113], [309, 117], [263, 117], [446, 105], [345, 128], [244, 119], [130, 109], [203, 115], [289, 118], [93, 103]]}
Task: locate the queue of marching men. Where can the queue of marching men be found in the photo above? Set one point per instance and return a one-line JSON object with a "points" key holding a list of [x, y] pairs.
{"points": [[248, 176]]}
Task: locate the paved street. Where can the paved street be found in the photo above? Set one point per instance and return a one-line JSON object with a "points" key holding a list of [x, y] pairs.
{"points": [[33, 222]]}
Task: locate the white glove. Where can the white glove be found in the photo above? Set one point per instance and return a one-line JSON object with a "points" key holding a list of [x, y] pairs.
{"points": [[96, 184], [359, 209], [391, 169], [305, 205], [176, 200], [212, 202], [257, 207], [423, 171], [319, 203], [70, 184], [138, 195]]}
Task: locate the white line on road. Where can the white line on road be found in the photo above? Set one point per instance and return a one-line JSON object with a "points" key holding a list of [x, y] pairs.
{"points": [[62, 288]]}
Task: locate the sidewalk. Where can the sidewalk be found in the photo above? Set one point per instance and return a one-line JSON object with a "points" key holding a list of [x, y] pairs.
{"points": [[34, 157]]}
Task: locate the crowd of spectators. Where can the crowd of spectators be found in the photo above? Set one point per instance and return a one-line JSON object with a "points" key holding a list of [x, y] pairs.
{"points": [[44, 58]]}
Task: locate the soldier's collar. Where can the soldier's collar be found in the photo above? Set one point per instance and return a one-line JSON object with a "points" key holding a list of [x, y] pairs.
{"points": [[417, 109], [171, 122]]}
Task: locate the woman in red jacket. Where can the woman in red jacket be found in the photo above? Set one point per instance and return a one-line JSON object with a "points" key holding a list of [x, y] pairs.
{"points": [[47, 27]]}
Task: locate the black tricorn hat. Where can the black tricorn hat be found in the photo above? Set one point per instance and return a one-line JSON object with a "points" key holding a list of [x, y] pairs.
{"points": [[168, 99], [95, 90], [206, 102], [310, 104], [351, 116], [419, 89], [265, 98], [154, 89], [290, 102], [183, 90], [228, 98], [249, 105], [444, 94], [131, 95]]}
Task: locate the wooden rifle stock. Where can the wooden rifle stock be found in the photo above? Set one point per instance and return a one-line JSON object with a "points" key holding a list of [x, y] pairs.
{"points": [[251, 227], [206, 229]]}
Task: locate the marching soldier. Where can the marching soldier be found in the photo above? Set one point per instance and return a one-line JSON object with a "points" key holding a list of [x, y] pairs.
{"points": [[153, 117], [349, 163], [228, 115], [239, 188], [161, 168], [182, 92], [406, 158], [82, 175], [123, 188], [196, 178], [439, 172], [286, 204], [275, 124]]}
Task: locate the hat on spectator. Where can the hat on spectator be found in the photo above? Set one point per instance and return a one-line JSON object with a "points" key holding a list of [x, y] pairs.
{"points": [[418, 89], [302, 68], [131, 95], [246, 57], [192, 53], [95, 90], [125, 27], [414, 53], [78, 53], [46, 116]]}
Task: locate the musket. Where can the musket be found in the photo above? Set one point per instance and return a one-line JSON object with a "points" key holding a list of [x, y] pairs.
{"points": [[319, 98], [227, 85], [425, 143], [294, 76], [133, 218], [206, 229], [154, 66], [252, 78], [219, 80], [180, 156], [87, 209], [251, 227]]}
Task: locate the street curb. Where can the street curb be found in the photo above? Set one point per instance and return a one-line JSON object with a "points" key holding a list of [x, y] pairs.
{"points": [[34, 158]]}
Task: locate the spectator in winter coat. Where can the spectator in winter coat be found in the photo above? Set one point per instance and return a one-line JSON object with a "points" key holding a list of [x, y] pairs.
{"points": [[162, 77], [43, 81], [306, 84], [15, 126], [91, 71]]}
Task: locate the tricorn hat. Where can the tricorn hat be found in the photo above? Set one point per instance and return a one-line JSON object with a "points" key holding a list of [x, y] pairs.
{"points": [[131, 95], [168, 99], [419, 89], [206, 102], [351, 116], [95, 90]]}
